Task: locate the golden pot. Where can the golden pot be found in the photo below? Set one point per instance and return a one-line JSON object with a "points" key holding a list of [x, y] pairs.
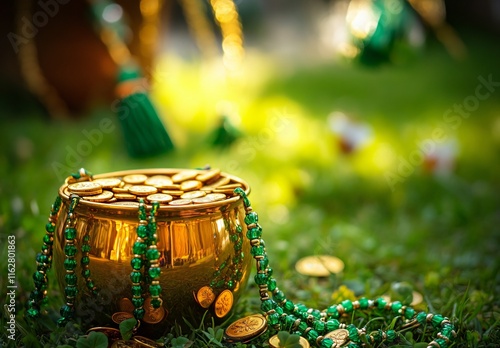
{"points": [[198, 255]]}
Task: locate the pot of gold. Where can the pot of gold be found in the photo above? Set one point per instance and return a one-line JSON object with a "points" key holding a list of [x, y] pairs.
{"points": [[159, 245]]}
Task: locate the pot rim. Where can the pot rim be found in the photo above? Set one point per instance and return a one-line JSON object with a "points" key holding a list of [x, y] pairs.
{"points": [[162, 208]]}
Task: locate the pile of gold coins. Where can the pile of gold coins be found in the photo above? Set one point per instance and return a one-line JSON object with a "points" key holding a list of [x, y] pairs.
{"points": [[126, 309], [185, 187]]}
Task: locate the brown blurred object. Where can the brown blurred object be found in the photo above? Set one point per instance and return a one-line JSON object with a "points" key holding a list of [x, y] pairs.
{"points": [[66, 59], [433, 12]]}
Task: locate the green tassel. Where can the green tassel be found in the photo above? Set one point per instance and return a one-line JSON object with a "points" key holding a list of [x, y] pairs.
{"points": [[225, 134], [143, 131]]}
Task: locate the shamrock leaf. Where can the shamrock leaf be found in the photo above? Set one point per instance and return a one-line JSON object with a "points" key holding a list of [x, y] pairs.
{"points": [[288, 341], [127, 327], [180, 342], [93, 340]]}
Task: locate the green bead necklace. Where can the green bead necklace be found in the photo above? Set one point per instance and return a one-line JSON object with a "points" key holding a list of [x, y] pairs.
{"points": [[323, 328], [146, 257], [85, 262], [44, 263], [232, 275], [152, 259], [226, 276], [68, 310]]}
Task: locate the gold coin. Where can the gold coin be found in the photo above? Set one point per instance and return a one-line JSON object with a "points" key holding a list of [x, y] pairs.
{"points": [[102, 197], [184, 175], [176, 193], [207, 189], [202, 200], [118, 317], [181, 202], [135, 179], [230, 186], [127, 203], [417, 298], [274, 342], [193, 194], [220, 182], [125, 305], [175, 187], [246, 328], [67, 192], [223, 303], [142, 190], [205, 296], [159, 181], [90, 193], [211, 197], [119, 190], [152, 315], [191, 185], [125, 344], [319, 266], [146, 342], [229, 192], [159, 197], [108, 183], [85, 187], [111, 333], [208, 175], [216, 196], [126, 196], [339, 336]]}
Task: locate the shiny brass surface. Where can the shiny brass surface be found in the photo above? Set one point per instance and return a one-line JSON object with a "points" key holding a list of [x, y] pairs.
{"points": [[193, 241]]}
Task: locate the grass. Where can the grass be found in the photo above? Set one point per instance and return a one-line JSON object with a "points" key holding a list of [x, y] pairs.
{"points": [[436, 235]]}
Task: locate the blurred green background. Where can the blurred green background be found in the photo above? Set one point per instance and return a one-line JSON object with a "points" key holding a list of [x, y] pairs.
{"points": [[381, 208]]}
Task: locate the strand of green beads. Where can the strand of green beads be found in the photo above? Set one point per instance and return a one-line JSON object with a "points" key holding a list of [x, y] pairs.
{"points": [[311, 323], [44, 263], [264, 273], [85, 262], [139, 249], [67, 311], [234, 273], [217, 281], [152, 256]]}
